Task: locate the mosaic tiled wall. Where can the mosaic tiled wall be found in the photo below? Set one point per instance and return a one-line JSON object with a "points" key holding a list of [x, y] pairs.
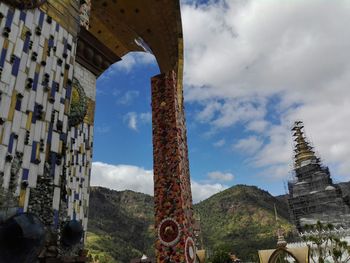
{"points": [[173, 201], [45, 153]]}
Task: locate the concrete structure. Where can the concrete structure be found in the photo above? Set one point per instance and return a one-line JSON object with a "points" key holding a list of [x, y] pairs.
{"points": [[51, 53], [312, 195]]}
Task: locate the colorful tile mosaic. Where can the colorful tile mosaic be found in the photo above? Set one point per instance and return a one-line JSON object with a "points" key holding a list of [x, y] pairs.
{"points": [[45, 161], [173, 201]]}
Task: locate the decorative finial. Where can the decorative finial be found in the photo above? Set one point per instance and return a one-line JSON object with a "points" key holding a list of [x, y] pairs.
{"points": [[304, 153]]}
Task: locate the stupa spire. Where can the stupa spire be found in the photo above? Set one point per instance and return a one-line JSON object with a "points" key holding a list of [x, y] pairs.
{"points": [[303, 151]]}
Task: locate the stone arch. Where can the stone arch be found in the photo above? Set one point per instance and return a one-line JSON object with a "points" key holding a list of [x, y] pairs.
{"points": [[45, 160]]}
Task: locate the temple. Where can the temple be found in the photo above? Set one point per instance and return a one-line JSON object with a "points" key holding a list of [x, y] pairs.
{"points": [[51, 53], [312, 195]]}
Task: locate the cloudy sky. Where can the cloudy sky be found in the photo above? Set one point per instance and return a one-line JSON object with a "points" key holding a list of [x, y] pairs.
{"points": [[252, 68]]}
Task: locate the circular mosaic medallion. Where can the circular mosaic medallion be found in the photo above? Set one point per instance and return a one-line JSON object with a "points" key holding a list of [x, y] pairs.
{"points": [[169, 232], [190, 250], [25, 4], [78, 105]]}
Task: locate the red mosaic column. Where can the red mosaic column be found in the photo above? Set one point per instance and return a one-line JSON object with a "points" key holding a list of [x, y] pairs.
{"points": [[172, 189]]}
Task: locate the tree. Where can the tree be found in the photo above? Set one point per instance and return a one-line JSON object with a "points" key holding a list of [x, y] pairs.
{"points": [[326, 243], [220, 256]]}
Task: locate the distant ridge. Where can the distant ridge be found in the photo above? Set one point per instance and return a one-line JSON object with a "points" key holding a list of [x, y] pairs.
{"points": [[239, 219]]}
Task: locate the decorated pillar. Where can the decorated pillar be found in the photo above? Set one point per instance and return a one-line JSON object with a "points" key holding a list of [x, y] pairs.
{"points": [[172, 189]]}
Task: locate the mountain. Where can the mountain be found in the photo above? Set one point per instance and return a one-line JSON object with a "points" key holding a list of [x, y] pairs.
{"points": [[239, 219], [120, 225]]}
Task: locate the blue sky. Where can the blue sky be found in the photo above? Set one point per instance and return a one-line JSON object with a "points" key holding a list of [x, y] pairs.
{"points": [[265, 65]]}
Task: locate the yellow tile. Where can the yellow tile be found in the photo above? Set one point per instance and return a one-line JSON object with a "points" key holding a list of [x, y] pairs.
{"points": [[22, 197], [1, 134], [12, 106], [6, 43], [29, 121]]}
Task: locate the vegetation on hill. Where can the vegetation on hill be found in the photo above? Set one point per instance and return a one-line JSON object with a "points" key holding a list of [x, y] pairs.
{"points": [[120, 224], [240, 219]]}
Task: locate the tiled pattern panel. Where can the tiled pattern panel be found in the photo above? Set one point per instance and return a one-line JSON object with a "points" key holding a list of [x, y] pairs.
{"points": [[79, 155], [173, 201], [36, 63]]}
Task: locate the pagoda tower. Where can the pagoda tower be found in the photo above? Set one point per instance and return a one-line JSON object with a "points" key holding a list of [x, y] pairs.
{"points": [[312, 194]]}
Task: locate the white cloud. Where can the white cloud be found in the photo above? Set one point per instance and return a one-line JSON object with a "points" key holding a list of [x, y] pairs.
{"points": [[242, 55], [131, 60], [131, 119], [127, 98], [249, 145], [220, 176], [201, 192], [219, 143], [129, 177], [122, 177]]}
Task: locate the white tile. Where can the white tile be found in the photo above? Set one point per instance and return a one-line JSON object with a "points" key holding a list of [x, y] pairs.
{"points": [[26, 156], [16, 123], [18, 47], [55, 142], [6, 73], [20, 141], [7, 175], [6, 133], [5, 105], [25, 101], [23, 63], [31, 101], [56, 198], [33, 175], [37, 131], [20, 81], [29, 20], [3, 151]]}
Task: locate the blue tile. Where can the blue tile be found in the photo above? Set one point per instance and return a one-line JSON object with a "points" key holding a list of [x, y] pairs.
{"points": [[22, 16], [53, 88], [12, 137], [35, 81], [26, 44], [57, 27], [49, 134], [15, 66], [41, 19], [68, 92], [9, 18], [53, 164], [25, 174], [51, 42], [3, 57], [18, 104], [33, 156], [20, 210]]}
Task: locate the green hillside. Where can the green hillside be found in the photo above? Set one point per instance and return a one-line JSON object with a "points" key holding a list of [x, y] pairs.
{"points": [[239, 219], [120, 225]]}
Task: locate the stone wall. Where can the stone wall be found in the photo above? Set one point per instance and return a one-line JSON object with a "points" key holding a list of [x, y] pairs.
{"points": [[172, 191]]}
